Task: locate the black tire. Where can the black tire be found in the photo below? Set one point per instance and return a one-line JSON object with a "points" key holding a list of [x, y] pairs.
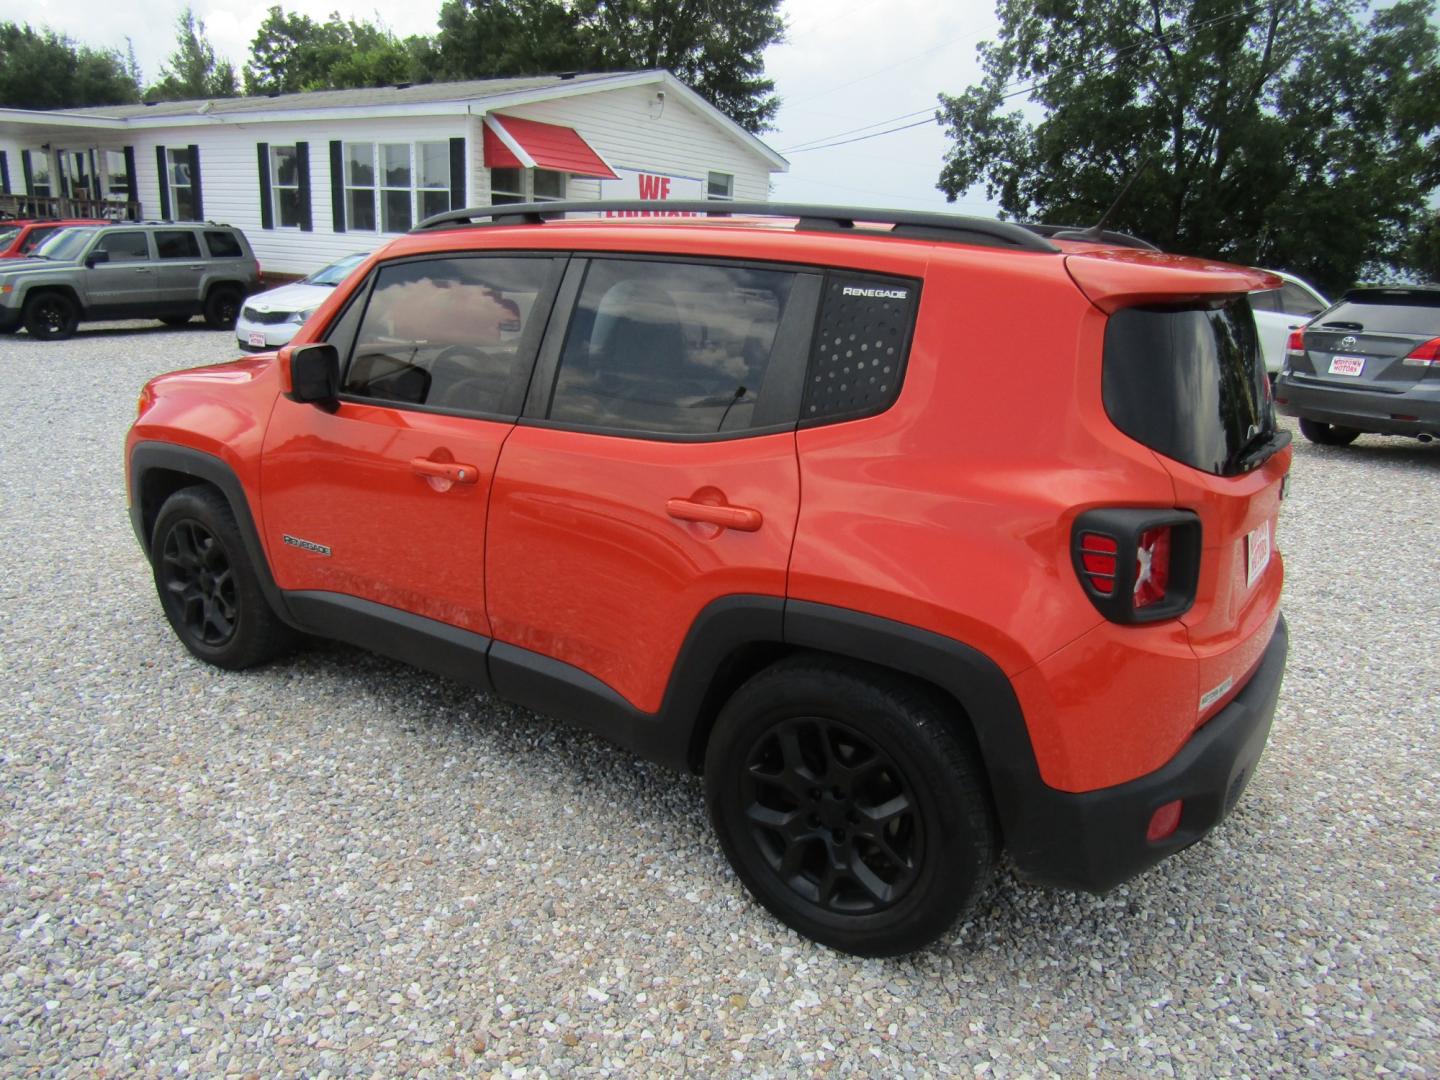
{"points": [[51, 316], [1328, 434], [804, 758], [207, 585], [222, 307], [175, 320]]}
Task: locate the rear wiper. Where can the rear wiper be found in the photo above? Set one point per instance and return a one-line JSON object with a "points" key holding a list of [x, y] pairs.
{"points": [[1344, 325], [1263, 446]]}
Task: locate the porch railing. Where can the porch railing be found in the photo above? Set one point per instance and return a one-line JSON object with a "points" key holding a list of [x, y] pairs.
{"points": [[52, 207]]}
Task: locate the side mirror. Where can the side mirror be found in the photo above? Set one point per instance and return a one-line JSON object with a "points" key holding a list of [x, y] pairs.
{"points": [[95, 258], [315, 375]]}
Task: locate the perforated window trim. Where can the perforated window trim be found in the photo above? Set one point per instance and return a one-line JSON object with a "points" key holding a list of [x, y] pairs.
{"points": [[861, 346]]}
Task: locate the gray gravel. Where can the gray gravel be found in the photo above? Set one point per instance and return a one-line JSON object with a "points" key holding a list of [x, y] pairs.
{"points": [[340, 866]]}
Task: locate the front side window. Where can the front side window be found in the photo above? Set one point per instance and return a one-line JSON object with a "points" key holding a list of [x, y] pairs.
{"points": [[451, 334], [670, 348], [125, 246], [285, 186], [1297, 301], [182, 185], [177, 244]]}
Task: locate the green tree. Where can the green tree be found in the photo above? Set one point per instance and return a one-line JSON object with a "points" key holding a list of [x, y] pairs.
{"points": [[1298, 134], [192, 70], [40, 69], [294, 52], [714, 46]]}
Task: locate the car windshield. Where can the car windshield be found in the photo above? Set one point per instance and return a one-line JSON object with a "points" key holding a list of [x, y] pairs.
{"points": [[336, 272], [7, 236], [65, 244]]}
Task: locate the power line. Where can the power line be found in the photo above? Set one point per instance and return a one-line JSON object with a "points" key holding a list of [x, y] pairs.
{"points": [[1022, 87]]}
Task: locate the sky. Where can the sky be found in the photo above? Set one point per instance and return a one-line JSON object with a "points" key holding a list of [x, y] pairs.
{"points": [[846, 68]]}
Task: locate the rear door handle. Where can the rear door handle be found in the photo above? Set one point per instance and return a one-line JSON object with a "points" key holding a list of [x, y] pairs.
{"points": [[453, 471], [741, 518]]}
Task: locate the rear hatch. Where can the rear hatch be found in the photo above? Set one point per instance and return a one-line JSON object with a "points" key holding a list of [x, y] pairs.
{"points": [[1184, 376], [1363, 340]]}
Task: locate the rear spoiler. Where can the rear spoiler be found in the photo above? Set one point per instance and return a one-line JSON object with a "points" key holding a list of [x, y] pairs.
{"points": [[1116, 279]]}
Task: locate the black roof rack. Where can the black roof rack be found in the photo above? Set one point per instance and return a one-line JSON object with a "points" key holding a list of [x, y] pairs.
{"points": [[1076, 232], [905, 224]]}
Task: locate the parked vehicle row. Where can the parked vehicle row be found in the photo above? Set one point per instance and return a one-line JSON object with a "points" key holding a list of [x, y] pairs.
{"points": [[272, 318], [169, 271], [757, 500]]}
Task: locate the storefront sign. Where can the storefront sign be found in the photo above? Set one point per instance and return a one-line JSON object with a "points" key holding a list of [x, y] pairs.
{"points": [[651, 187]]}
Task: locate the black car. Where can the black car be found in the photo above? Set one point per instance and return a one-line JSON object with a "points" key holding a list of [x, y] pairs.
{"points": [[1370, 363]]}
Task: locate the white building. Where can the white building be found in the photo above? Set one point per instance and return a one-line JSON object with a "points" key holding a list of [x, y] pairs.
{"points": [[310, 177]]}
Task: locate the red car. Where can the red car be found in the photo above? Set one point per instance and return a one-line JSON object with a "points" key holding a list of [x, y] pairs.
{"points": [[919, 536], [19, 238]]}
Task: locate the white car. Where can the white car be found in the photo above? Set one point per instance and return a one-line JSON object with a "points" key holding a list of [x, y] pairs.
{"points": [[270, 319], [1278, 311]]}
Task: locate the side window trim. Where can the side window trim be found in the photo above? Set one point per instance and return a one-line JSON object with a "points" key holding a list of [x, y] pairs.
{"points": [[526, 349], [784, 384]]}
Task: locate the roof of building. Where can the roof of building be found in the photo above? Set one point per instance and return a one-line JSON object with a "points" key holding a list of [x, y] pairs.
{"points": [[362, 97]]}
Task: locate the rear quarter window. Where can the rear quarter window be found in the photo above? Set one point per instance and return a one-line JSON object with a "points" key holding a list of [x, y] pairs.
{"points": [[223, 244], [1188, 383]]}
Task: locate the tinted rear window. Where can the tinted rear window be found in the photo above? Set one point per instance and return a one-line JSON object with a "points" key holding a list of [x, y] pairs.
{"points": [[1386, 318], [223, 245], [1188, 383]]}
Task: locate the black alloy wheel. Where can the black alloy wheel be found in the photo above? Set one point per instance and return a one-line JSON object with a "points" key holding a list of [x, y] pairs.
{"points": [[208, 588], [851, 802], [1323, 434], [832, 815], [51, 316], [199, 583], [222, 307]]}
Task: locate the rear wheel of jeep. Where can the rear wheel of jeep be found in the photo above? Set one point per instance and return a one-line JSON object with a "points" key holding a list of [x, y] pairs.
{"points": [[222, 307], [1328, 434], [207, 585], [51, 316], [849, 806]]}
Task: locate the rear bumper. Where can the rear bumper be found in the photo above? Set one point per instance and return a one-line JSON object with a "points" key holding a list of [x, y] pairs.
{"points": [[1094, 840], [1364, 410]]}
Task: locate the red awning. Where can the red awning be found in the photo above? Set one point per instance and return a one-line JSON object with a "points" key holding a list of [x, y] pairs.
{"points": [[513, 143]]}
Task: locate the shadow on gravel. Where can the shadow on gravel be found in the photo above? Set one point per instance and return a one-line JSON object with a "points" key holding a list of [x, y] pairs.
{"points": [[1376, 450], [127, 330]]}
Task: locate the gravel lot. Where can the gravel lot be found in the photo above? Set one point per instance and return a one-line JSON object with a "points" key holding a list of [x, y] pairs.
{"points": [[340, 866]]}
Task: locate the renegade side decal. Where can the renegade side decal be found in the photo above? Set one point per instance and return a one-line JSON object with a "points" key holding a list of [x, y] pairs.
{"points": [[877, 294], [305, 545]]}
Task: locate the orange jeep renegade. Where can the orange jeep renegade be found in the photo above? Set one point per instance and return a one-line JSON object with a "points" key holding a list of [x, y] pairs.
{"points": [[919, 536]]}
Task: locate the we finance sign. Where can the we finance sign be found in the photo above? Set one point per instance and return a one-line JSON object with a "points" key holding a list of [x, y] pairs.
{"points": [[651, 187]]}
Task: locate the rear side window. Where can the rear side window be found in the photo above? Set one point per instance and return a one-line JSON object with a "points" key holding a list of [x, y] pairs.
{"points": [[223, 245], [177, 244], [1385, 318], [1296, 301], [454, 334], [857, 358], [1189, 383], [674, 348]]}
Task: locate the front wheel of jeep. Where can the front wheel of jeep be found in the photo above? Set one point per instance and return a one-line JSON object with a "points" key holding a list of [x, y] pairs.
{"points": [[51, 316], [850, 804], [207, 585]]}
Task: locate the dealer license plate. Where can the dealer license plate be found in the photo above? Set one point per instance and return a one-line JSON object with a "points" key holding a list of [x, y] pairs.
{"points": [[1347, 365], [257, 340], [1257, 553]]}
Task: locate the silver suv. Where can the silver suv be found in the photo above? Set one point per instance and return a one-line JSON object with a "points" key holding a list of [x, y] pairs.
{"points": [[142, 270]]}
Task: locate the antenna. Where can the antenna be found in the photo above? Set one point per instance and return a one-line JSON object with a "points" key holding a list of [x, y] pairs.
{"points": [[1096, 232]]}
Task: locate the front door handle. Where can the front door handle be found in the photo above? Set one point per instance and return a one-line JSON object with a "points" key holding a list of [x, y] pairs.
{"points": [[741, 518], [453, 471]]}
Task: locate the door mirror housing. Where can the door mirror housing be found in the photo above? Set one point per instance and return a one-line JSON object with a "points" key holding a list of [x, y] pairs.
{"points": [[95, 258], [314, 374]]}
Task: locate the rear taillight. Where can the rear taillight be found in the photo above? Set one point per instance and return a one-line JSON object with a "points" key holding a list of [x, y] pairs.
{"points": [[1427, 355], [1137, 565], [1152, 566], [1295, 346]]}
